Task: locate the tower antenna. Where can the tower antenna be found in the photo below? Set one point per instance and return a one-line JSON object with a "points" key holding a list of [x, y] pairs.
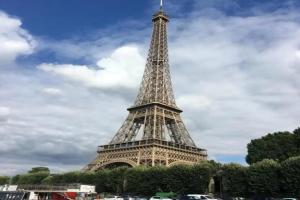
{"points": [[161, 4]]}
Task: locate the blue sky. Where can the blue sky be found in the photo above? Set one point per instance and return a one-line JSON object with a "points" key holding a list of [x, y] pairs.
{"points": [[63, 19], [69, 69]]}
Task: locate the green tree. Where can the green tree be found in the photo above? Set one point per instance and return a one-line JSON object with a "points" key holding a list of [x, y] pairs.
{"points": [[49, 180], [290, 180], [87, 178], [32, 178], [101, 181], [15, 179], [277, 146], [134, 183], [201, 174], [297, 139], [141, 180], [184, 179], [234, 179], [264, 178], [179, 177], [153, 180], [116, 180], [39, 169], [4, 180], [54, 179], [70, 177]]}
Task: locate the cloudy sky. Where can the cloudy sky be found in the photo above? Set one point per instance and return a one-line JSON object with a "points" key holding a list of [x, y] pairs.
{"points": [[69, 69]]}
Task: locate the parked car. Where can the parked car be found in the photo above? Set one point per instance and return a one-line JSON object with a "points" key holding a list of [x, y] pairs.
{"points": [[202, 196], [186, 197], [140, 198], [159, 198], [128, 197], [238, 198], [113, 198]]}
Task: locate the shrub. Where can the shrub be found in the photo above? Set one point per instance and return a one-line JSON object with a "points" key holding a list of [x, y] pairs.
{"points": [[264, 179], [290, 171], [234, 180]]}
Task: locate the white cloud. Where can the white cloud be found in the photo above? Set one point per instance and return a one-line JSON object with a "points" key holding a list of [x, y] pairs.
{"points": [[14, 40], [249, 74], [234, 79], [123, 68], [191, 101], [66, 122], [52, 91], [4, 113]]}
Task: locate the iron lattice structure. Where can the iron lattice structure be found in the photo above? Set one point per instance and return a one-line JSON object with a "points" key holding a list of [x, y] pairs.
{"points": [[153, 133]]}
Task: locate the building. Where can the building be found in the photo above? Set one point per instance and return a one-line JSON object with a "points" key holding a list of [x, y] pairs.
{"points": [[47, 192], [153, 133]]}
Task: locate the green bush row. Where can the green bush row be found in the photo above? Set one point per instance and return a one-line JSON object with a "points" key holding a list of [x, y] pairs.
{"points": [[264, 178], [136, 181]]}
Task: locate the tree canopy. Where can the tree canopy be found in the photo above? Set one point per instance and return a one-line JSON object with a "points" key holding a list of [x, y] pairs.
{"points": [[234, 179], [264, 178], [4, 180], [277, 146], [290, 176], [39, 169]]}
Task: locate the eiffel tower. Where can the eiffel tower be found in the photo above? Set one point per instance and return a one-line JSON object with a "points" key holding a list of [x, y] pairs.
{"points": [[153, 133]]}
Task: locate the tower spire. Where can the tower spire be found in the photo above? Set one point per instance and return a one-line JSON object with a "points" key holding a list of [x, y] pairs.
{"points": [[161, 4]]}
